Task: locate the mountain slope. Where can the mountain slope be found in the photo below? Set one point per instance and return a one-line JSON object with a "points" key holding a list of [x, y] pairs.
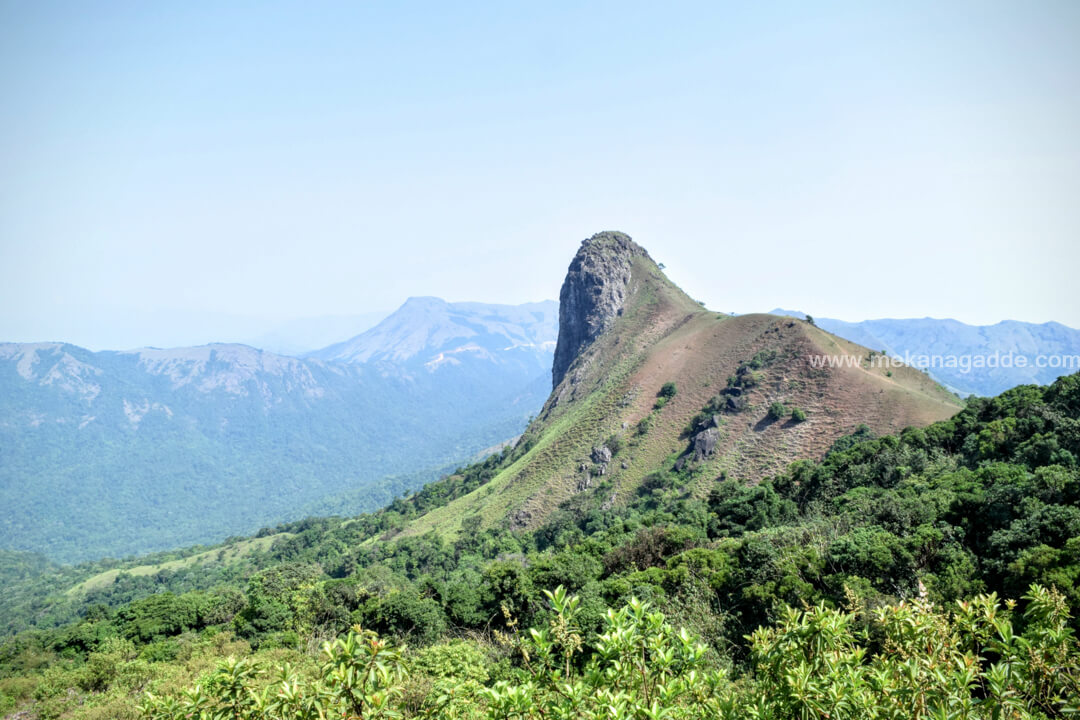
{"points": [[605, 430], [1048, 350], [124, 452]]}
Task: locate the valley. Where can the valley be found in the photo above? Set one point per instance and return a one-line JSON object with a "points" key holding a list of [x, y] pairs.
{"points": [[122, 453]]}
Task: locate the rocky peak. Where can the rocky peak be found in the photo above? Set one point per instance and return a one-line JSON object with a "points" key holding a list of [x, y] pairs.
{"points": [[593, 294]]}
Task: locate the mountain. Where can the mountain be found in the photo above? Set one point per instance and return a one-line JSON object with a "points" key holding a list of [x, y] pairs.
{"points": [[645, 379], [114, 453], [970, 359], [429, 332]]}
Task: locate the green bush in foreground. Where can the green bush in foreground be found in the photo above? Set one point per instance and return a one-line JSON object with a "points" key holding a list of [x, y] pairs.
{"points": [[899, 662]]}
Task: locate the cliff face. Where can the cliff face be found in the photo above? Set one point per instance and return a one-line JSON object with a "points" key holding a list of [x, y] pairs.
{"points": [[592, 295]]}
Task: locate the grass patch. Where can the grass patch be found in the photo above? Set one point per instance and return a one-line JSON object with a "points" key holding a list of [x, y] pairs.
{"points": [[226, 555]]}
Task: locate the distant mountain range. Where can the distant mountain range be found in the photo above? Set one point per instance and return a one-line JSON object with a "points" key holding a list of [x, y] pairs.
{"points": [[1051, 344], [181, 328], [112, 453]]}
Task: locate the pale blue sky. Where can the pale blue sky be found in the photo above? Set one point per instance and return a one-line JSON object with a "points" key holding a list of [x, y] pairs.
{"points": [[281, 160]]}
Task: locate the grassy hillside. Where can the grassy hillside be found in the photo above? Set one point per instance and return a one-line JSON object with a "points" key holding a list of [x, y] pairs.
{"points": [[609, 399], [228, 554]]}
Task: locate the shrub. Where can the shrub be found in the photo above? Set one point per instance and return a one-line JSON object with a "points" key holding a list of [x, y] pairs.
{"points": [[745, 378], [656, 481], [407, 615], [798, 414], [762, 358], [964, 661], [459, 660], [777, 411], [667, 391]]}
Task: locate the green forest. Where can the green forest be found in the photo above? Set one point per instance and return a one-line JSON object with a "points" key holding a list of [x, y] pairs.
{"points": [[206, 463], [929, 574]]}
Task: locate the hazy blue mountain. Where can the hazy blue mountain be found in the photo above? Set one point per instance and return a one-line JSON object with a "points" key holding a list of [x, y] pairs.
{"points": [[934, 338], [456, 331], [303, 335], [111, 453]]}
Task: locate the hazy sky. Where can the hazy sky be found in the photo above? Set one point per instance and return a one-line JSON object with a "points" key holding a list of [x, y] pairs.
{"points": [[280, 160]]}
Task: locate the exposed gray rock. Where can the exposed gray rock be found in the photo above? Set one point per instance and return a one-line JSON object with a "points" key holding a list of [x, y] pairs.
{"points": [[736, 403], [593, 295], [704, 443], [601, 455]]}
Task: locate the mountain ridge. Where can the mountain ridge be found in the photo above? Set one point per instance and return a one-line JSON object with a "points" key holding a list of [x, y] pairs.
{"points": [[930, 338], [157, 443]]}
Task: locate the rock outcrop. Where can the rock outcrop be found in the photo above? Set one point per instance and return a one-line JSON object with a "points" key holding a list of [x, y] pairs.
{"points": [[705, 443], [601, 455], [592, 295], [702, 445]]}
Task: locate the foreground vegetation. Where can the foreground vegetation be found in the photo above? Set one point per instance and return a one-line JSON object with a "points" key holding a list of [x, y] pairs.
{"points": [[866, 584], [907, 661]]}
